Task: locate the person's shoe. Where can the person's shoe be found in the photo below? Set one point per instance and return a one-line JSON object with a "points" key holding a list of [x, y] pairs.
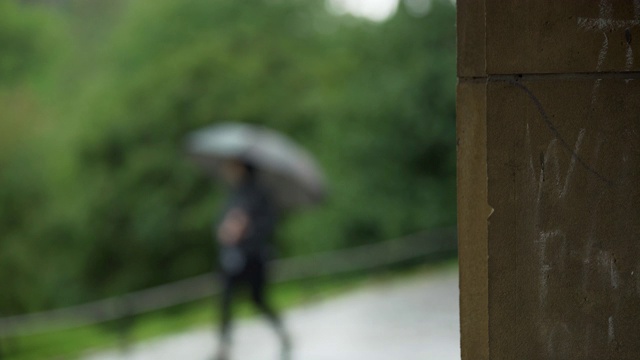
{"points": [[221, 355], [223, 352], [286, 354], [286, 348]]}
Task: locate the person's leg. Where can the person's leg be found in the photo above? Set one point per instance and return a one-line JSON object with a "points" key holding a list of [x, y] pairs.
{"points": [[257, 276], [228, 285], [257, 282]]}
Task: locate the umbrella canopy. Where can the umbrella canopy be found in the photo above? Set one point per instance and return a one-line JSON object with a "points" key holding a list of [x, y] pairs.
{"points": [[288, 171]]}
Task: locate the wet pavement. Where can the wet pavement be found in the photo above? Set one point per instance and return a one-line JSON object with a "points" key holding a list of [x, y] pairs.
{"points": [[412, 319]]}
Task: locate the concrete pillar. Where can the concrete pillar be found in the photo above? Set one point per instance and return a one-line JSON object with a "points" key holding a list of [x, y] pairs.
{"points": [[549, 178]]}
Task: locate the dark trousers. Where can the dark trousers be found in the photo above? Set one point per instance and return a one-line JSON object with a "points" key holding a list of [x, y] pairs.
{"points": [[254, 274]]}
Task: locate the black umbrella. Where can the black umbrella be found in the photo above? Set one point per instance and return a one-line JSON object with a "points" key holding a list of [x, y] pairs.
{"points": [[287, 169]]}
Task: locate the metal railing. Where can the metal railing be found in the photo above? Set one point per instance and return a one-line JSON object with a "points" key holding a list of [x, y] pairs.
{"points": [[359, 258]]}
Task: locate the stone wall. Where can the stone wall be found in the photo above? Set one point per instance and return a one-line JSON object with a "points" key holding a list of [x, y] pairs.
{"points": [[549, 178]]}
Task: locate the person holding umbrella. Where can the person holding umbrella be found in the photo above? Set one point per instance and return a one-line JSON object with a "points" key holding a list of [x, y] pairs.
{"points": [[268, 174], [244, 232]]}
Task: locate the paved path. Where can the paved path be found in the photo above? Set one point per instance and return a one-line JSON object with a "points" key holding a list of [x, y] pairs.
{"points": [[416, 319]]}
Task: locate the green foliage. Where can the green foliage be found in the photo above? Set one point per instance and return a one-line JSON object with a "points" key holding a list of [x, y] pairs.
{"points": [[388, 138], [105, 202], [26, 35], [26, 55]]}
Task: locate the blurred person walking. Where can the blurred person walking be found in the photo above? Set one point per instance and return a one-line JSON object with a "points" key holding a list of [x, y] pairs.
{"points": [[268, 174], [244, 232]]}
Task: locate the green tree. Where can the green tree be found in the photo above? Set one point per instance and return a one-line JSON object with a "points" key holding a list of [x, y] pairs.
{"points": [[25, 33], [114, 206]]}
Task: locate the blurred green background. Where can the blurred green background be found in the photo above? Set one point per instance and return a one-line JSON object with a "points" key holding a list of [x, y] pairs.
{"points": [[96, 96]]}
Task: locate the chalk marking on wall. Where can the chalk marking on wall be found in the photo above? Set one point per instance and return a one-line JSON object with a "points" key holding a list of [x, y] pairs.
{"points": [[595, 216], [637, 280], [555, 161], [550, 165], [572, 164], [544, 266], [606, 9], [545, 269], [629, 65], [607, 263], [585, 273], [628, 39], [613, 273], [604, 24], [595, 90], [602, 56], [551, 126], [551, 157], [611, 330], [634, 274], [553, 340], [599, 269], [605, 20], [530, 151], [591, 239], [604, 50]]}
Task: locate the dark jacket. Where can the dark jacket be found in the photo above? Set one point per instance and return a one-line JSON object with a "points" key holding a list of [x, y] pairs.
{"points": [[254, 201]]}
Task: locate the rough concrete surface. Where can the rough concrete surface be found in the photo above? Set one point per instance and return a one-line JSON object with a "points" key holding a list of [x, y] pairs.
{"points": [[563, 179], [561, 37], [473, 212], [415, 319], [549, 140]]}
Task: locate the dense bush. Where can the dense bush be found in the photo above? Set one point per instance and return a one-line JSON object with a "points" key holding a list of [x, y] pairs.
{"points": [[105, 202]]}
